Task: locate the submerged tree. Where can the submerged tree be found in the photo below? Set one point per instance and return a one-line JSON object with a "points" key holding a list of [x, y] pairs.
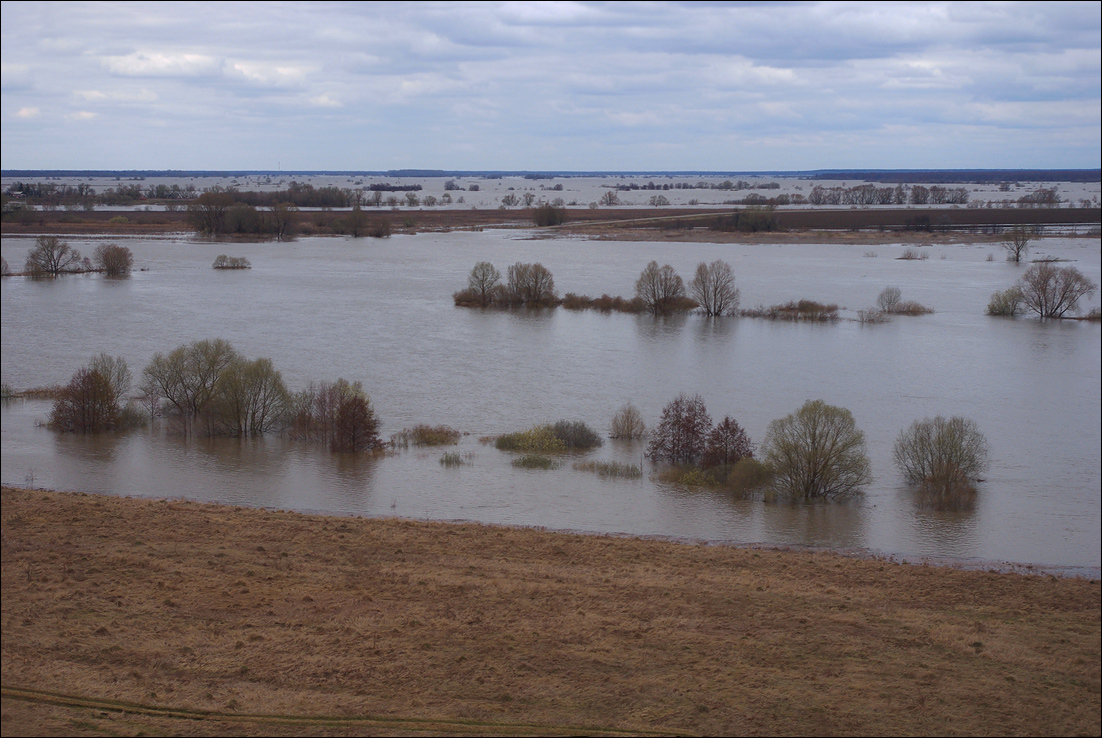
{"points": [[338, 414], [628, 424], [50, 257], [1052, 291], [92, 401], [942, 456], [816, 452], [483, 282], [660, 288], [114, 260], [682, 433], [727, 444], [714, 288], [1016, 243]]}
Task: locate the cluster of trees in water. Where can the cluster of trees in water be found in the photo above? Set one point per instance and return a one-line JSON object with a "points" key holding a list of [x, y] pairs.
{"points": [[206, 387], [659, 290], [51, 257], [815, 453]]}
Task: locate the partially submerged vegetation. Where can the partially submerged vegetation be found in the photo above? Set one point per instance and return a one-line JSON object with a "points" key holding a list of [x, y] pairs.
{"points": [[231, 262], [795, 310], [560, 437], [1045, 289], [425, 435]]}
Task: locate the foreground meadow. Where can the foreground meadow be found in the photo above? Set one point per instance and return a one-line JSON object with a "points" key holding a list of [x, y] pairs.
{"points": [[129, 616]]}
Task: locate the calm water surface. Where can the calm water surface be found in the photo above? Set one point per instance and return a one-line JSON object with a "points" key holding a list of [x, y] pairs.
{"points": [[381, 312]]}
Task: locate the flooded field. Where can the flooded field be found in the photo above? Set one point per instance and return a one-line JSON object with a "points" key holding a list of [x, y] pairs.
{"points": [[381, 312]]}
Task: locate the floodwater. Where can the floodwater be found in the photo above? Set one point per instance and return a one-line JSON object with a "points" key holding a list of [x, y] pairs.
{"points": [[380, 311]]}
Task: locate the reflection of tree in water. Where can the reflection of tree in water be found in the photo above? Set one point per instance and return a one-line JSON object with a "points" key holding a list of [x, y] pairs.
{"points": [[820, 524], [101, 448], [661, 327], [950, 529]]}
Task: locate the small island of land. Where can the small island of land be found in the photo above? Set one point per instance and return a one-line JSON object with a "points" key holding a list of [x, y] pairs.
{"points": [[130, 616]]}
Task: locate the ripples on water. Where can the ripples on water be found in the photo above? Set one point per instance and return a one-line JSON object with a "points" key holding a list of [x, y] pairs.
{"points": [[381, 312]]}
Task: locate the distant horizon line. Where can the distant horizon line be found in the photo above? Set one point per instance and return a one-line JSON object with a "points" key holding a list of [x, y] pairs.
{"points": [[1061, 174]]}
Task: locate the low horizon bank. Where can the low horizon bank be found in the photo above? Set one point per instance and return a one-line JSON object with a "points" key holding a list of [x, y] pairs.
{"points": [[872, 175]]}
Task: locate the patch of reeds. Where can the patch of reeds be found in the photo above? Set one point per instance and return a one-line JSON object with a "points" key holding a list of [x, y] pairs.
{"points": [[795, 310], [453, 459], [535, 461], [610, 469], [425, 435]]}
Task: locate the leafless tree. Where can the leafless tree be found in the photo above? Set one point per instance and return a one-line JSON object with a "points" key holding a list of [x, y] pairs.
{"points": [[114, 260], [610, 198], [531, 285], [682, 433], [714, 288], [252, 399], [188, 377], [628, 423], [888, 299], [659, 287], [1052, 291], [726, 444], [92, 401], [338, 414], [208, 212], [942, 456], [1017, 241], [50, 257], [483, 282], [816, 452]]}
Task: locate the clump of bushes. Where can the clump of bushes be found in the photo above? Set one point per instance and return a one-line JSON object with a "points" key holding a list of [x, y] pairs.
{"points": [[425, 435], [913, 254], [95, 401], [231, 262], [795, 310], [943, 458], [548, 215], [534, 440], [890, 301], [560, 437]]}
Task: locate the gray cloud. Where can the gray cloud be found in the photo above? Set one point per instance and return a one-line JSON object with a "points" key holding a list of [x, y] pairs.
{"points": [[560, 85]]}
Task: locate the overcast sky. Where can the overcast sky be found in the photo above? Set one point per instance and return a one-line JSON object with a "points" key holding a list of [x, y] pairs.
{"points": [[551, 86]]}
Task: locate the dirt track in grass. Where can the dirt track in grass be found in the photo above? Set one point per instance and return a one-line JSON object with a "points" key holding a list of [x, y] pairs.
{"points": [[125, 616]]}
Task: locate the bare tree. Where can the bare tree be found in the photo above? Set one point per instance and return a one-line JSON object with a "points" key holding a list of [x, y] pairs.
{"points": [[88, 404], [1017, 241], [531, 285], [483, 282], [50, 257], [628, 424], [610, 199], [338, 414], [816, 452], [888, 299], [208, 212], [1052, 291], [659, 287], [114, 260], [251, 399], [682, 434], [189, 377], [942, 456], [726, 444], [714, 288]]}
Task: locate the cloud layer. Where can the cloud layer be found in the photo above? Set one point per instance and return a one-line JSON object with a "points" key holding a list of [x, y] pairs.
{"points": [[553, 85]]}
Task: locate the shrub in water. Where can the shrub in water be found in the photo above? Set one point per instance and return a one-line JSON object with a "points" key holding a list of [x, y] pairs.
{"points": [[576, 436]]}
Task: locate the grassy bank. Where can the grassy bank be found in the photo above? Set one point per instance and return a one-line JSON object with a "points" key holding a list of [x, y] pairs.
{"points": [[128, 616]]}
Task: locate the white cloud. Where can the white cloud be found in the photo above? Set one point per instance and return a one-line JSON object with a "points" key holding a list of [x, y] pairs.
{"points": [[29, 113], [157, 64], [80, 115], [326, 100]]}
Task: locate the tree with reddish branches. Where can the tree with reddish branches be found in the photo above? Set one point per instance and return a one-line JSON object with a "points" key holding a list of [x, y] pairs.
{"points": [[726, 444], [681, 435]]}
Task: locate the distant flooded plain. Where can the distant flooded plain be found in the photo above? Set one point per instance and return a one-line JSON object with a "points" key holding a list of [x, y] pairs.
{"points": [[380, 311]]}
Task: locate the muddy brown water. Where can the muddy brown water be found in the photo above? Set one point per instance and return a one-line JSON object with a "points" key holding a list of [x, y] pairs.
{"points": [[381, 312]]}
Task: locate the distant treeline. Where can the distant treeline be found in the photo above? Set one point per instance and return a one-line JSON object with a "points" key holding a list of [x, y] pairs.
{"points": [[940, 176], [943, 176]]}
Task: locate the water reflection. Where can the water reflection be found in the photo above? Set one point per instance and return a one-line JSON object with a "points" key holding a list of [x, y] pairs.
{"points": [[834, 524], [948, 531], [382, 313]]}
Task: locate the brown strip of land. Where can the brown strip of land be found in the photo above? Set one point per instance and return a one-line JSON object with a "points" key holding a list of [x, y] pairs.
{"points": [[124, 616], [617, 223]]}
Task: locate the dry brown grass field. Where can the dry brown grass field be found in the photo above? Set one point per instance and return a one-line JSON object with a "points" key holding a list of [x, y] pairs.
{"points": [[126, 616]]}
